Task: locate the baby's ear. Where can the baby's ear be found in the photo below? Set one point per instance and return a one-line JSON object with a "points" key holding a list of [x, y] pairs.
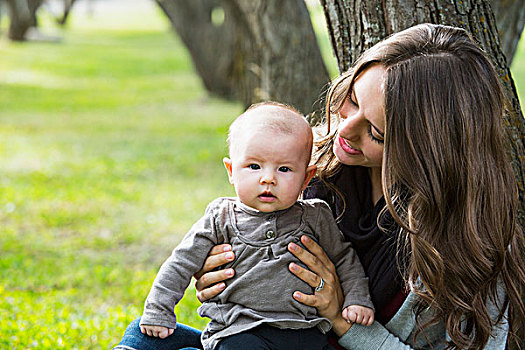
{"points": [[228, 165], [310, 172]]}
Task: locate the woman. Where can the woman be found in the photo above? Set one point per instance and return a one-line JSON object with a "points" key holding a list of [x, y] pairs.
{"points": [[418, 133]]}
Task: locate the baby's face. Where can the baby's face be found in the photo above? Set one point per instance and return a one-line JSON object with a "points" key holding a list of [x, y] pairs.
{"points": [[269, 170]]}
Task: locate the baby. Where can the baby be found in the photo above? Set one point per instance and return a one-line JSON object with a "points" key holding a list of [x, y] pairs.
{"points": [[269, 147]]}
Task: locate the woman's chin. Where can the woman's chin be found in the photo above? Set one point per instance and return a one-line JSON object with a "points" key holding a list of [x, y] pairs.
{"points": [[346, 158]]}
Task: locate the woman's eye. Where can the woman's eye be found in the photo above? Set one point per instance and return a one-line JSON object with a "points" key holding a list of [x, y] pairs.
{"points": [[374, 138], [284, 169], [254, 166]]}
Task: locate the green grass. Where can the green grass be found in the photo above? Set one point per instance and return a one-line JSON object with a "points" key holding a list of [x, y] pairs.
{"points": [[109, 150]]}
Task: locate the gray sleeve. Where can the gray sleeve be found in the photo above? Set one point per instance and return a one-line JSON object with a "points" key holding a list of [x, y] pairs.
{"points": [[349, 269], [372, 337], [498, 339], [378, 337], [175, 273]]}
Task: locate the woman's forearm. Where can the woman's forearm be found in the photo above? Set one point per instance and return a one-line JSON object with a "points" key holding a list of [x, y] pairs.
{"points": [[341, 326]]}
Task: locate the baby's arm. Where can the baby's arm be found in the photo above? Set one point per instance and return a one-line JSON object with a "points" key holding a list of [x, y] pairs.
{"points": [[175, 275], [156, 331], [359, 314]]}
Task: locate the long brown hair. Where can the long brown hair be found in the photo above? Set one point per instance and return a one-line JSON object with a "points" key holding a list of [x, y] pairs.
{"points": [[446, 178]]}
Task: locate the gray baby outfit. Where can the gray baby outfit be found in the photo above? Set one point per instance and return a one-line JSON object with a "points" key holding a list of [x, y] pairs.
{"points": [[261, 290]]}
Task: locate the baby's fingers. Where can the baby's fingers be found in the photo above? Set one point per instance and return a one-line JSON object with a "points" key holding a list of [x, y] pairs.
{"points": [[156, 331], [166, 332], [369, 321], [345, 315], [146, 330]]}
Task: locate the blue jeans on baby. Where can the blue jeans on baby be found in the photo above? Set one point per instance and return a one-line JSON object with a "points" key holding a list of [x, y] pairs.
{"points": [[184, 337], [263, 337]]}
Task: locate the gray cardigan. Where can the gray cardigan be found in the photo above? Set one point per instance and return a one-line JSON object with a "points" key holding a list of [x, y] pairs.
{"points": [[261, 290], [399, 332]]}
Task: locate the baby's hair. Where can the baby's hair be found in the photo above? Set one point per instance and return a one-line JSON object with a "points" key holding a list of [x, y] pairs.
{"points": [[277, 117]]}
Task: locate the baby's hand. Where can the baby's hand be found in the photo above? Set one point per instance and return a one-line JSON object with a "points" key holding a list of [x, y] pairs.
{"points": [[156, 331], [359, 314]]}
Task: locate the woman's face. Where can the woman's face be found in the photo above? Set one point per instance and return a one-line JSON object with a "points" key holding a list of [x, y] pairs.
{"points": [[360, 135]]}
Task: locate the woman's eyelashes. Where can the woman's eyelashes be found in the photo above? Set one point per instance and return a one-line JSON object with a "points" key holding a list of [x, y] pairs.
{"points": [[369, 130], [372, 137]]}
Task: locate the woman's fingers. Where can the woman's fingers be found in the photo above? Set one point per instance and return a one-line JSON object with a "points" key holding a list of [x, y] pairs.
{"points": [[315, 258], [208, 285], [307, 299], [317, 252], [210, 292], [308, 276], [218, 256], [329, 299]]}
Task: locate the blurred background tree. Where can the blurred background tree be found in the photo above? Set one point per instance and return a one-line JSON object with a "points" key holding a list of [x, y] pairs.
{"points": [[252, 50], [23, 16]]}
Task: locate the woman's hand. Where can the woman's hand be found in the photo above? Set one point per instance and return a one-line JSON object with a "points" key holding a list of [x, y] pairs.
{"points": [[210, 283], [329, 300]]}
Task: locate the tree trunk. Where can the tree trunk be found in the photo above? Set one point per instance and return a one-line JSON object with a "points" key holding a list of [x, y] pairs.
{"points": [[68, 5], [211, 45], [357, 25], [20, 17], [510, 18], [23, 16], [263, 50], [279, 53], [33, 8]]}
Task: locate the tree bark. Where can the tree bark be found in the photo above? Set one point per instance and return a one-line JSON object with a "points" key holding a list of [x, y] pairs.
{"points": [[210, 45], [510, 19], [23, 16], [20, 17], [356, 25], [264, 49], [68, 5], [279, 53]]}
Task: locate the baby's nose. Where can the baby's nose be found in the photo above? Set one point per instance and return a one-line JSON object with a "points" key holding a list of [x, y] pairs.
{"points": [[268, 177]]}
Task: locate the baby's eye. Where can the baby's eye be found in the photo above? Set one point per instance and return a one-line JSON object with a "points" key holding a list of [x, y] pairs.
{"points": [[254, 166], [284, 169]]}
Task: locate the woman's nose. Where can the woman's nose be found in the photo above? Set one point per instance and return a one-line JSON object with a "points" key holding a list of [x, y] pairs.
{"points": [[349, 128]]}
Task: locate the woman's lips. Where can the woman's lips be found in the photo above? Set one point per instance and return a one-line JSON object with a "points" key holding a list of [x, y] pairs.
{"points": [[347, 148]]}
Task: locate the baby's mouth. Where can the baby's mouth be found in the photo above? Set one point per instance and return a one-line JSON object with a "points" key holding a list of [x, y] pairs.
{"points": [[267, 196]]}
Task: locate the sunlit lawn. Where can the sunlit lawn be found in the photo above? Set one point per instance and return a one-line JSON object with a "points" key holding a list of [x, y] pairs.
{"points": [[109, 150]]}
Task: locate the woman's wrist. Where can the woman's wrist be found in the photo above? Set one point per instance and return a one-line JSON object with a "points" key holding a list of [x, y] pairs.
{"points": [[340, 326]]}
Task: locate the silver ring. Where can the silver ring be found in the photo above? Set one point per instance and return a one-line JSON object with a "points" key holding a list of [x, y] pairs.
{"points": [[320, 286]]}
